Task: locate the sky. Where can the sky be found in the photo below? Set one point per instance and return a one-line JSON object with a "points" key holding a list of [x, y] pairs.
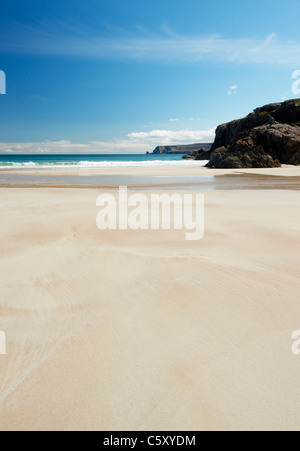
{"points": [[106, 76]]}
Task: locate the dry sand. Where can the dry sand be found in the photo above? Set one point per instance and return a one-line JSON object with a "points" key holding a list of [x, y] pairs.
{"points": [[144, 330]]}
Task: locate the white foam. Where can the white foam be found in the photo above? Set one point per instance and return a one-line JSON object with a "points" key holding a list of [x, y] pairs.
{"points": [[102, 164], [109, 164]]}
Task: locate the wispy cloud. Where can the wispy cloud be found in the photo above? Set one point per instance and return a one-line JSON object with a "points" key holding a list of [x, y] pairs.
{"points": [[137, 142], [69, 147], [167, 46], [264, 44], [174, 120], [42, 147]]}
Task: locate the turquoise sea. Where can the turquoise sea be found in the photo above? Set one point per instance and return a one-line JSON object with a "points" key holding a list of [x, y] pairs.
{"points": [[94, 161]]}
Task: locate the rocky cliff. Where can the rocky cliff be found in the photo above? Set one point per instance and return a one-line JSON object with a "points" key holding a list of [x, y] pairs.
{"points": [[181, 148], [268, 137]]}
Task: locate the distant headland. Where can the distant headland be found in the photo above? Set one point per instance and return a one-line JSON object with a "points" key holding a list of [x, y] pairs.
{"points": [[180, 149]]}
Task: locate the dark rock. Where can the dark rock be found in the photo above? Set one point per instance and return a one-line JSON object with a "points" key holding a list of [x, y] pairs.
{"points": [[281, 141], [270, 108], [288, 112], [266, 138], [295, 159], [227, 134], [202, 154], [189, 156], [254, 157]]}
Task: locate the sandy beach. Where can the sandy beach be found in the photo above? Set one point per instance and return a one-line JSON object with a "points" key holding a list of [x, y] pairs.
{"points": [[142, 330], [150, 220]]}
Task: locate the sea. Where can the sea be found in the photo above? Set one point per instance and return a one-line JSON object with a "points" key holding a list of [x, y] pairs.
{"points": [[94, 161]]}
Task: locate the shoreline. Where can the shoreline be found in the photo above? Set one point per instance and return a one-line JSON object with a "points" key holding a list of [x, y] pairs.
{"points": [[284, 171], [153, 177]]}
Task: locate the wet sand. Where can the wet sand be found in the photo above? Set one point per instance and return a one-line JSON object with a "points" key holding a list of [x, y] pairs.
{"points": [[189, 178]]}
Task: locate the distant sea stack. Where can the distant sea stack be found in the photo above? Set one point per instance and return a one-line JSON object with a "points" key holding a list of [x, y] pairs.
{"points": [[266, 138], [180, 149]]}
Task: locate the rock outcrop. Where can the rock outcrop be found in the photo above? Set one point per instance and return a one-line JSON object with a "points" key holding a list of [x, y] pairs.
{"points": [[266, 138], [184, 149], [201, 154]]}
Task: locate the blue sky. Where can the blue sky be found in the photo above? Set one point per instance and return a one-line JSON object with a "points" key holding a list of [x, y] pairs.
{"points": [[127, 75]]}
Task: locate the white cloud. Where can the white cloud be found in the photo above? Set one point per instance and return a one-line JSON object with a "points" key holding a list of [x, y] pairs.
{"points": [[232, 90], [165, 137], [174, 120], [68, 147], [137, 142], [194, 119]]}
